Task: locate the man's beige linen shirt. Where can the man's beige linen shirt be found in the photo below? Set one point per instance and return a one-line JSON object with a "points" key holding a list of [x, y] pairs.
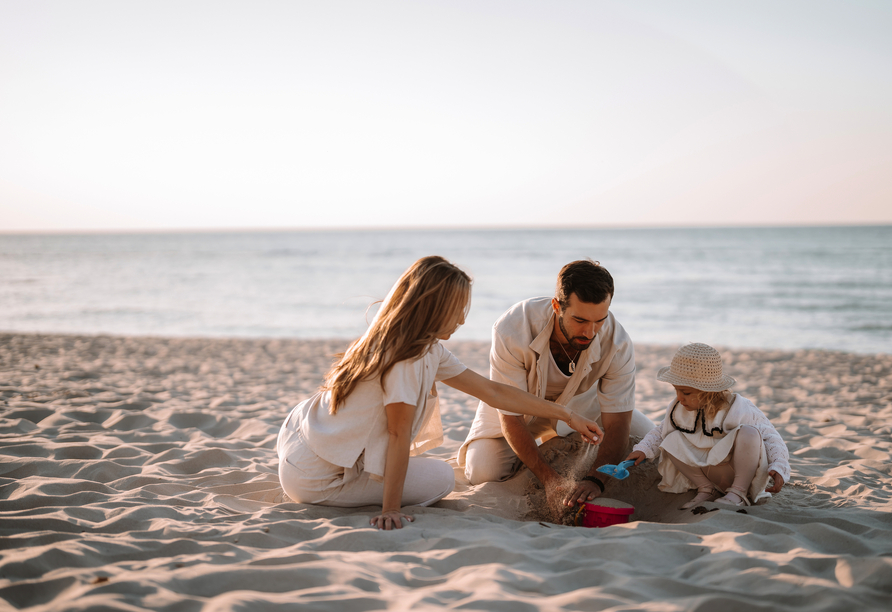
{"points": [[604, 380]]}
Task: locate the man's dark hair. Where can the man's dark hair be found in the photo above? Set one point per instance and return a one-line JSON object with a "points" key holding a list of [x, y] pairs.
{"points": [[590, 281]]}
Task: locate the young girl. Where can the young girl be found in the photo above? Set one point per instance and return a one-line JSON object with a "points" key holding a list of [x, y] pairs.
{"points": [[712, 439], [354, 442]]}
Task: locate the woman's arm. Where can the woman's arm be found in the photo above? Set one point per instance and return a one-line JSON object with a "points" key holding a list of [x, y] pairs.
{"points": [[512, 399], [399, 431]]}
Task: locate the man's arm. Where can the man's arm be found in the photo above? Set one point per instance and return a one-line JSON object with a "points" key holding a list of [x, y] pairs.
{"points": [[617, 427], [616, 388], [509, 365], [509, 369], [524, 446]]}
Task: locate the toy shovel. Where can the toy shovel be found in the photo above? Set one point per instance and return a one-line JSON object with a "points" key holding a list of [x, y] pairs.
{"points": [[620, 471]]}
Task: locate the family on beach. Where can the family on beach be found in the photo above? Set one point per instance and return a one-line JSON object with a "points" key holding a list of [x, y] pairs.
{"points": [[558, 365]]}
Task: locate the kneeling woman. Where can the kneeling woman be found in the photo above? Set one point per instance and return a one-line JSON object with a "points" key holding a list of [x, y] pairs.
{"points": [[354, 442]]}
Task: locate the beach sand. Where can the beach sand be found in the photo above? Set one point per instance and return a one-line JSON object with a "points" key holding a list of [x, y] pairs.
{"points": [[140, 473]]}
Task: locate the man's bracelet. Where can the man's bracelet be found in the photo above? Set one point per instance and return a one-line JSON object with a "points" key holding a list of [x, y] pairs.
{"points": [[597, 481]]}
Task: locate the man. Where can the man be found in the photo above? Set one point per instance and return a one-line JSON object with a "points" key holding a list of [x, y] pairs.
{"points": [[568, 349]]}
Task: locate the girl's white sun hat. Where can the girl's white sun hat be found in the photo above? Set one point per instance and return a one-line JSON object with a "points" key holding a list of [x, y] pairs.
{"points": [[696, 365]]}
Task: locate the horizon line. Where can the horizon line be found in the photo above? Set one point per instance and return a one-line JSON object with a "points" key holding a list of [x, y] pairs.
{"points": [[408, 228]]}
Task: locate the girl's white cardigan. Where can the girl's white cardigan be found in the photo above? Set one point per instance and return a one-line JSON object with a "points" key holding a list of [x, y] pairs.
{"points": [[741, 412]]}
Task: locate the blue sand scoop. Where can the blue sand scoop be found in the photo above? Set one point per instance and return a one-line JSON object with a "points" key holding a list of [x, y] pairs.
{"points": [[620, 471]]}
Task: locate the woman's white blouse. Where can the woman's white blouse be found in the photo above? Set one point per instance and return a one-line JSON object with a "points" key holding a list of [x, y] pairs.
{"points": [[359, 428]]}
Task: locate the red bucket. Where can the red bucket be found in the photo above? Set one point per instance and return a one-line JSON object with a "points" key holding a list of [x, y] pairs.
{"points": [[605, 512]]}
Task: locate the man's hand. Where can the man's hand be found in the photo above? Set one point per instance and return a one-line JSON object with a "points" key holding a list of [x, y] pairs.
{"points": [[614, 441], [583, 491]]}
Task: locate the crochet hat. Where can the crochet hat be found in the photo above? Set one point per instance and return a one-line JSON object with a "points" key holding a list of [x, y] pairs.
{"points": [[696, 365]]}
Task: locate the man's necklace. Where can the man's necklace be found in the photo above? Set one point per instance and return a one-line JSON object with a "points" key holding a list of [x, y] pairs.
{"points": [[572, 365]]}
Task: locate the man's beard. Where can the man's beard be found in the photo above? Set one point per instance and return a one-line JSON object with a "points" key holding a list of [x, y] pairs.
{"points": [[572, 341]]}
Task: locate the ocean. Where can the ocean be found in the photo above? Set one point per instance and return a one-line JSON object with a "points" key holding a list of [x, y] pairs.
{"points": [[784, 288]]}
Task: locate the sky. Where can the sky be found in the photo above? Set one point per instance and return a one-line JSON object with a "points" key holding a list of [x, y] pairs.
{"points": [[216, 114]]}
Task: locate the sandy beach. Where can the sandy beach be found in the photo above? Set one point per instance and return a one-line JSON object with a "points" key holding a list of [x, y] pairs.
{"points": [[140, 473]]}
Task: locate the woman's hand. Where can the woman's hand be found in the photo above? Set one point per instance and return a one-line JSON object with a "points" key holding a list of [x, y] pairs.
{"points": [[588, 429], [638, 456], [778, 482], [392, 519]]}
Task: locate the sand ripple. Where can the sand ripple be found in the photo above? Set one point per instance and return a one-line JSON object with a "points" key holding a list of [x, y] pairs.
{"points": [[140, 473]]}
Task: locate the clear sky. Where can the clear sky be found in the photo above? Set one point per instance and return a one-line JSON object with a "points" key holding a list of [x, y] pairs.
{"points": [[272, 114]]}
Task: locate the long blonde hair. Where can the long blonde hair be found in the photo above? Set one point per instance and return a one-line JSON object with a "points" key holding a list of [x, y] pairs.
{"points": [[430, 298], [711, 402]]}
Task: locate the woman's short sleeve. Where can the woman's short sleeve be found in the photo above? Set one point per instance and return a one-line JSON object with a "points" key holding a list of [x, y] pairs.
{"points": [[403, 382], [449, 365]]}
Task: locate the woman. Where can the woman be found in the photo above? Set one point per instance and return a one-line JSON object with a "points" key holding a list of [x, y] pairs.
{"points": [[354, 442]]}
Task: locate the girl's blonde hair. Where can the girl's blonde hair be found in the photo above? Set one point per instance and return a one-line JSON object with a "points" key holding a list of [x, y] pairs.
{"points": [[431, 298], [713, 401]]}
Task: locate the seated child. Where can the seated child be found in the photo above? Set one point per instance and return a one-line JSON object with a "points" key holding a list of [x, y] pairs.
{"points": [[711, 439]]}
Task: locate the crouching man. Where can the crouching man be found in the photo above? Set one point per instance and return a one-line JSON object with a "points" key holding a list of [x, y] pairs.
{"points": [[568, 349]]}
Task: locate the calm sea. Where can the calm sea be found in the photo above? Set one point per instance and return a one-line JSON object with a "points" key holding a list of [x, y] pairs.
{"points": [[827, 287]]}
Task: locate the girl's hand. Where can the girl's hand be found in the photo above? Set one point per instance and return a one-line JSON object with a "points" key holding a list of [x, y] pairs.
{"points": [[638, 456], [778, 482], [589, 429], [392, 519]]}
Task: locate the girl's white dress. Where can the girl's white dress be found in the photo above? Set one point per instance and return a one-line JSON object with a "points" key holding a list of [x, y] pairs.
{"points": [[691, 438]]}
